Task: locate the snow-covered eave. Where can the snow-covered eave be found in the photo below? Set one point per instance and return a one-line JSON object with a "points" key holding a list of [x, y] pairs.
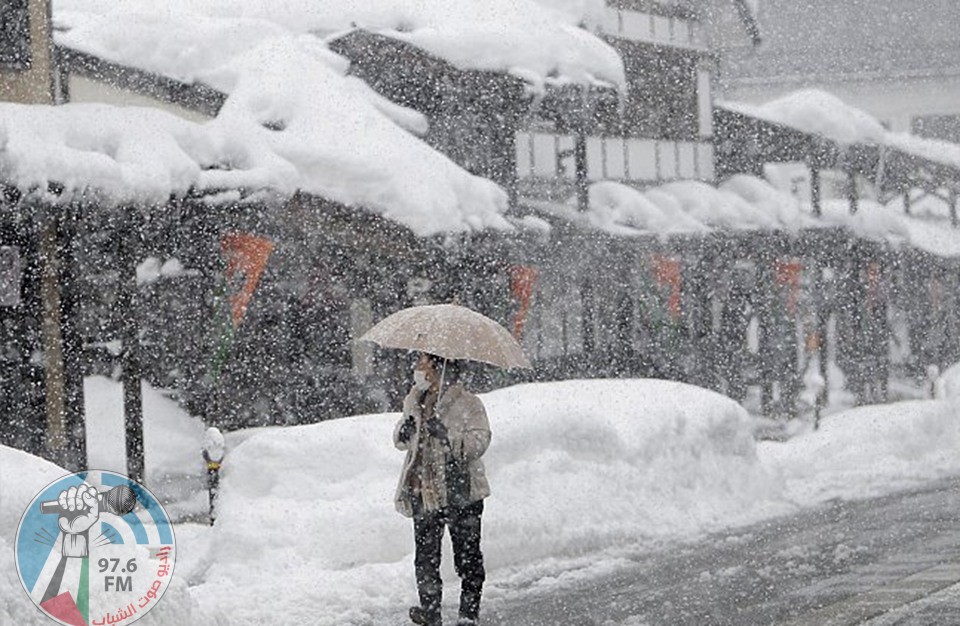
{"points": [[115, 157], [912, 145], [361, 45], [195, 96]]}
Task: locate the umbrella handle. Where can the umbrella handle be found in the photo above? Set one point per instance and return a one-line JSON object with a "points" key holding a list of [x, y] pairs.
{"points": [[443, 372]]}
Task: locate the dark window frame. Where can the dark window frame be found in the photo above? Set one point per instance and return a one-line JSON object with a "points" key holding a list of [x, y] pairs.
{"points": [[15, 40]]}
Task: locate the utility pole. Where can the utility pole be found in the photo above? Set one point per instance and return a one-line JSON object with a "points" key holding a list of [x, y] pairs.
{"points": [[51, 337], [129, 233]]}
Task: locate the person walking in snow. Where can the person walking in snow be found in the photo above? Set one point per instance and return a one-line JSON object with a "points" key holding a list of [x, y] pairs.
{"points": [[442, 485]]}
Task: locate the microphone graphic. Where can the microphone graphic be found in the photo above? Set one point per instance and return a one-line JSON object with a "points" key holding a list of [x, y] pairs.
{"points": [[119, 501]]}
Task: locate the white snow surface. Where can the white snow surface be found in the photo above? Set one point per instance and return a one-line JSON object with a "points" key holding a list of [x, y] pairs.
{"points": [[819, 112], [338, 146], [516, 36], [582, 472], [744, 202], [336, 139], [741, 202]]}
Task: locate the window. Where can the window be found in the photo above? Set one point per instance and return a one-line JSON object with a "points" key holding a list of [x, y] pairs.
{"points": [[705, 162], [14, 34], [544, 155], [705, 101], [641, 160], [686, 159], [595, 161]]}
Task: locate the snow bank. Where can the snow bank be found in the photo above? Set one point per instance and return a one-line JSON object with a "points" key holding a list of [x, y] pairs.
{"points": [[574, 466], [947, 385], [869, 451], [581, 471], [22, 477]]}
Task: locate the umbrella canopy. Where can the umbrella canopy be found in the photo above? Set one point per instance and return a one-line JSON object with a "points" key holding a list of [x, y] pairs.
{"points": [[449, 331]]}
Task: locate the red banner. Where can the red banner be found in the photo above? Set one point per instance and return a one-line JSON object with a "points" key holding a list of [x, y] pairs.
{"points": [[666, 271], [246, 257], [523, 279], [788, 275], [873, 283]]}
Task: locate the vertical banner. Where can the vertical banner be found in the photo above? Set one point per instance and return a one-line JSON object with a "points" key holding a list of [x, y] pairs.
{"points": [[667, 274], [246, 257], [788, 274], [873, 284], [523, 279]]}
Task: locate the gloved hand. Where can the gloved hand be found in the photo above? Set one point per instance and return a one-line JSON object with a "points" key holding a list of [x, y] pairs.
{"points": [[436, 428], [407, 429]]}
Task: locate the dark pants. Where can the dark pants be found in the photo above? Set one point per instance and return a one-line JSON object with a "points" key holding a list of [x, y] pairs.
{"points": [[464, 525]]}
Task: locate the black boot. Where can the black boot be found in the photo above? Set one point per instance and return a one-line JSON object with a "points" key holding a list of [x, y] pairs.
{"points": [[425, 617]]}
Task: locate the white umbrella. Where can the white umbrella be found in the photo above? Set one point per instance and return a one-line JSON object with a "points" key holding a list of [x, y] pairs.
{"points": [[449, 331]]}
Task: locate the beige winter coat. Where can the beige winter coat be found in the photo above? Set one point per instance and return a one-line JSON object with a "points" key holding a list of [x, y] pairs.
{"points": [[468, 432]]}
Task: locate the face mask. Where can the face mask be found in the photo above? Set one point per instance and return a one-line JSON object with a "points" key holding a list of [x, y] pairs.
{"points": [[420, 380]]}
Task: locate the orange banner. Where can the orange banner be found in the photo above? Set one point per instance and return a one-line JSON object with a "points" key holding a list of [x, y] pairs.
{"points": [[788, 275], [246, 257], [873, 283], [667, 274], [523, 279]]}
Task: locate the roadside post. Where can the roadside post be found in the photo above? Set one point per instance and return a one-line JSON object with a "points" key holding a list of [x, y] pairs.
{"points": [[213, 452]]}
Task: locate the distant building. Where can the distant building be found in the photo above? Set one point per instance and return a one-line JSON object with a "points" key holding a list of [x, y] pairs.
{"points": [[898, 61], [26, 62]]}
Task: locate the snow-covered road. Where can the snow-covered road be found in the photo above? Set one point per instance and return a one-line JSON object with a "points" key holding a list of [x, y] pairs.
{"points": [[841, 563]]}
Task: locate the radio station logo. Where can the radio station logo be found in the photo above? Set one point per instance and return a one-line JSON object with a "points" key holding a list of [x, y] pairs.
{"points": [[95, 548]]}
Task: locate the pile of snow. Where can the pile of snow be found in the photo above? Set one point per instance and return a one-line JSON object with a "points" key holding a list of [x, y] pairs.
{"points": [[613, 205], [516, 36], [819, 113], [333, 135], [869, 451], [22, 477], [932, 149], [822, 113], [581, 471], [788, 211], [719, 208], [740, 203], [575, 467], [947, 385], [338, 146], [886, 224]]}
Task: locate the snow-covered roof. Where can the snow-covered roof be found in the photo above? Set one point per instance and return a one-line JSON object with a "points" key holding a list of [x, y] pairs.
{"points": [[191, 40], [821, 113], [748, 203], [337, 137], [686, 207], [817, 112], [339, 146]]}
